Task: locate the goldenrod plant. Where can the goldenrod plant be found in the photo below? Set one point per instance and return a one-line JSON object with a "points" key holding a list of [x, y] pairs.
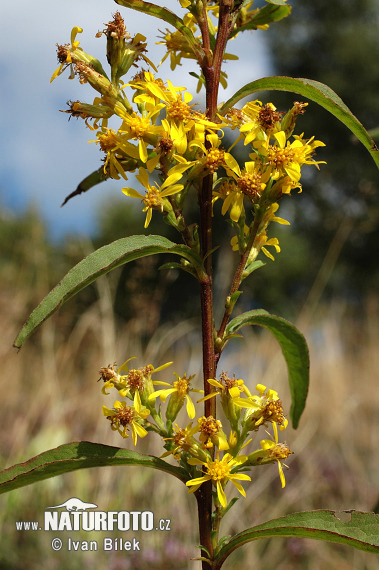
{"points": [[177, 152]]}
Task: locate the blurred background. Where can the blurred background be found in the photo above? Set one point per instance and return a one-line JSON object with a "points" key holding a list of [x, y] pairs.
{"points": [[324, 280]]}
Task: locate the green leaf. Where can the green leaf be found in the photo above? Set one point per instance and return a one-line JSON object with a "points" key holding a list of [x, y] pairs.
{"points": [[315, 91], [167, 16], [294, 349], [78, 455], [97, 177], [354, 528], [99, 263], [87, 183], [277, 2], [265, 15], [250, 267]]}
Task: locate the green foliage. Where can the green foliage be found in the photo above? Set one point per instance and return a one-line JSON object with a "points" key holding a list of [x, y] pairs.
{"points": [[74, 456], [360, 530]]}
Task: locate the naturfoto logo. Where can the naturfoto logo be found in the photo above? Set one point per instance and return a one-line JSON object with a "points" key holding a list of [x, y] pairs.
{"points": [[75, 504], [76, 517]]}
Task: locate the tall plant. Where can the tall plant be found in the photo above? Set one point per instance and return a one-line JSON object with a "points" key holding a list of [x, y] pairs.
{"points": [[178, 155]]}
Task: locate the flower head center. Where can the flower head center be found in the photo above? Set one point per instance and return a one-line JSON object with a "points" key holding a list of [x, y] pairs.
{"points": [[268, 118], [273, 412], [215, 158], [139, 126], [135, 379], [108, 140], [124, 416], [280, 157], [164, 145], [178, 110], [209, 426], [280, 451], [250, 184], [228, 382], [218, 470], [152, 198], [107, 373], [181, 386]]}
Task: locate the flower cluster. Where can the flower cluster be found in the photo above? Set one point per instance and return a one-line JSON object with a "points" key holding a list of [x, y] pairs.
{"points": [[172, 145], [202, 443]]}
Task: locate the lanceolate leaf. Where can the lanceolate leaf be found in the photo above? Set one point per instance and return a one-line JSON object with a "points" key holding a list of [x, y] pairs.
{"points": [[98, 176], [294, 349], [360, 530], [78, 455], [315, 91], [96, 264], [88, 182], [167, 16], [266, 15]]}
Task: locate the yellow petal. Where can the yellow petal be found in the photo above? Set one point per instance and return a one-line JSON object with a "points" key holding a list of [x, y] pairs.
{"points": [[221, 495], [148, 218], [143, 177], [281, 475], [281, 138], [132, 193], [190, 408], [142, 150], [239, 487], [74, 32]]}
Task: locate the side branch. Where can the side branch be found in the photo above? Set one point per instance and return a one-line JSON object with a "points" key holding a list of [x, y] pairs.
{"points": [[238, 276]]}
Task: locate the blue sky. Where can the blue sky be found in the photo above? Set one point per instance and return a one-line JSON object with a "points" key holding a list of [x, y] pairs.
{"points": [[44, 156]]}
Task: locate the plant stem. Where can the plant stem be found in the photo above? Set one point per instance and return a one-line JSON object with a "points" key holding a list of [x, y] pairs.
{"points": [[204, 494], [211, 71], [237, 281]]}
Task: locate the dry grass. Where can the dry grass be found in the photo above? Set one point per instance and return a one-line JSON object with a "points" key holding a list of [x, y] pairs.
{"points": [[50, 397]]}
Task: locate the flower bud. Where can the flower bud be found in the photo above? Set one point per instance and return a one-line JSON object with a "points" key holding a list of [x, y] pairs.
{"points": [[97, 80], [290, 118], [269, 453]]}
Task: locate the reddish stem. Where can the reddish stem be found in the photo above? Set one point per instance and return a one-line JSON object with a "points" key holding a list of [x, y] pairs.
{"points": [[211, 72]]}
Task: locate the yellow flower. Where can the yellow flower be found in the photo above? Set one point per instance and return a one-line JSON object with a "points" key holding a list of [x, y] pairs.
{"points": [[233, 200], [64, 54], [220, 472], [86, 66], [123, 417], [176, 43], [183, 441], [178, 392], [211, 433], [271, 451], [260, 121], [155, 197], [262, 241], [229, 389], [285, 158], [141, 128], [121, 155], [251, 181], [214, 157], [135, 379], [148, 90], [227, 386], [266, 407]]}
